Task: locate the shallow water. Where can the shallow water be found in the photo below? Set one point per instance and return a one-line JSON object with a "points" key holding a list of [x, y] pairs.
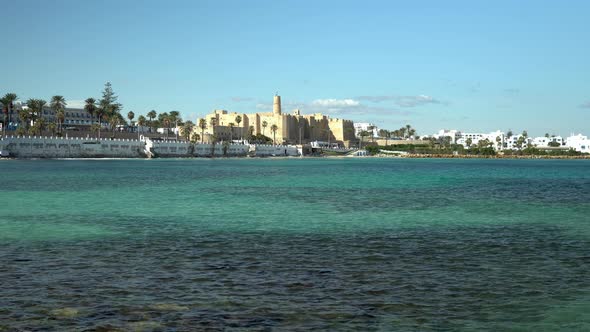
{"points": [[265, 244]]}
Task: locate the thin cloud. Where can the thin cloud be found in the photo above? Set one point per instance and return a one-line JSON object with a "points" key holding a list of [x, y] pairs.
{"points": [[336, 107], [585, 105], [241, 99], [403, 101], [75, 103], [336, 103], [511, 91]]}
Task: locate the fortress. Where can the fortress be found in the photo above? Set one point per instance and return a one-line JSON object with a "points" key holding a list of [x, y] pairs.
{"points": [[292, 128]]}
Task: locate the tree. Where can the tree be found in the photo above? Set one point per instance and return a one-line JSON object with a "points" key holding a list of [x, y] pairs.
{"points": [[33, 105], [108, 103], [509, 133], [231, 131], [115, 119], [251, 131], [385, 134], [547, 135], [51, 127], [187, 129], [264, 124], [164, 119], [24, 116], [213, 123], [130, 116], [520, 142], [109, 107], [140, 124], [238, 121], [58, 104], [38, 127], [371, 130], [174, 118], [8, 102], [274, 129], [152, 115], [90, 107], [408, 130], [525, 134], [362, 134], [499, 142], [469, 141], [202, 125]]}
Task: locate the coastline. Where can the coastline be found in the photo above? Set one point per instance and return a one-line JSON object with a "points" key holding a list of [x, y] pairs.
{"points": [[452, 156], [407, 156]]}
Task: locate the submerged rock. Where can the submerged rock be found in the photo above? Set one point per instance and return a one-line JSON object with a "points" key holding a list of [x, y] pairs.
{"points": [[64, 312], [168, 307]]}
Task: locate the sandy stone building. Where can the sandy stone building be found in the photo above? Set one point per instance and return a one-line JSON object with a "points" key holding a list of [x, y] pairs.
{"points": [[292, 128]]}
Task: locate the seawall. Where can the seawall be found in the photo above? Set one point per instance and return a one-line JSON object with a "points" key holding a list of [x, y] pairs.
{"points": [[60, 147]]}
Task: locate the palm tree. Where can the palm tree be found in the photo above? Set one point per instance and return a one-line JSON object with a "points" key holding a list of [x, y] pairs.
{"points": [[51, 127], [58, 104], [238, 121], [38, 127], [187, 129], [8, 102], [175, 119], [202, 125], [251, 131], [499, 142], [24, 116], [371, 129], [408, 128], [41, 104], [468, 141], [99, 111], [140, 123], [33, 105], [385, 134], [152, 115], [362, 134], [60, 116], [264, 124], [231, 130], [164, 119], [130, 116], [90, 107], [274, 129]]}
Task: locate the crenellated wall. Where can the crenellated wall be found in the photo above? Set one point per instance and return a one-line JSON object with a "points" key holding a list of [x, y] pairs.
{"points": [[58, 147]]}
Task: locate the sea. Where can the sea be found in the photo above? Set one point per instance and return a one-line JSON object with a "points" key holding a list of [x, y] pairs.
{"points": [[295, 244]]}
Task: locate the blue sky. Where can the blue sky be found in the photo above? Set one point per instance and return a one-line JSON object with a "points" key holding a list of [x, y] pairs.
{"points": [[468, 65]]}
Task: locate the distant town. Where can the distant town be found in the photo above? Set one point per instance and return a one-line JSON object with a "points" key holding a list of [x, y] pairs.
{"points": [[103, 118]]}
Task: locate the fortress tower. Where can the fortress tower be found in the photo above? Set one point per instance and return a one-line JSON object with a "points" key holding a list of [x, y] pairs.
{"points": [[276, 105]]}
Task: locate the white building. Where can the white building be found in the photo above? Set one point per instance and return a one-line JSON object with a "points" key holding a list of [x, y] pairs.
{"points": [[579, 143], [497, 138], [543, 142], [452, 133], [365, 126], [512, 142]]}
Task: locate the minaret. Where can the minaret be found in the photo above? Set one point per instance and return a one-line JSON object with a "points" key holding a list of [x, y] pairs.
{"points": [[276, 105]]}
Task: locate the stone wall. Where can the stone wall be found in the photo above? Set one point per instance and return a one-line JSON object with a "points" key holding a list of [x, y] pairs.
{"points": [[58, 147], [260, 150]]}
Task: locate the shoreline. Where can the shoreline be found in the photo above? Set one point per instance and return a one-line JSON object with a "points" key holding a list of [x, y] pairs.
{"points": [[452, 156], [384, 156]]}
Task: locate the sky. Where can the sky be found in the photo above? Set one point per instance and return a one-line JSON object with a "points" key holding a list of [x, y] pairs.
{"points": [[476, 66]]}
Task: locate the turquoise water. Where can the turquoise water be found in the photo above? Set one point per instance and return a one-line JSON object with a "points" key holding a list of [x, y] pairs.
{"points": [[295, 244]]}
